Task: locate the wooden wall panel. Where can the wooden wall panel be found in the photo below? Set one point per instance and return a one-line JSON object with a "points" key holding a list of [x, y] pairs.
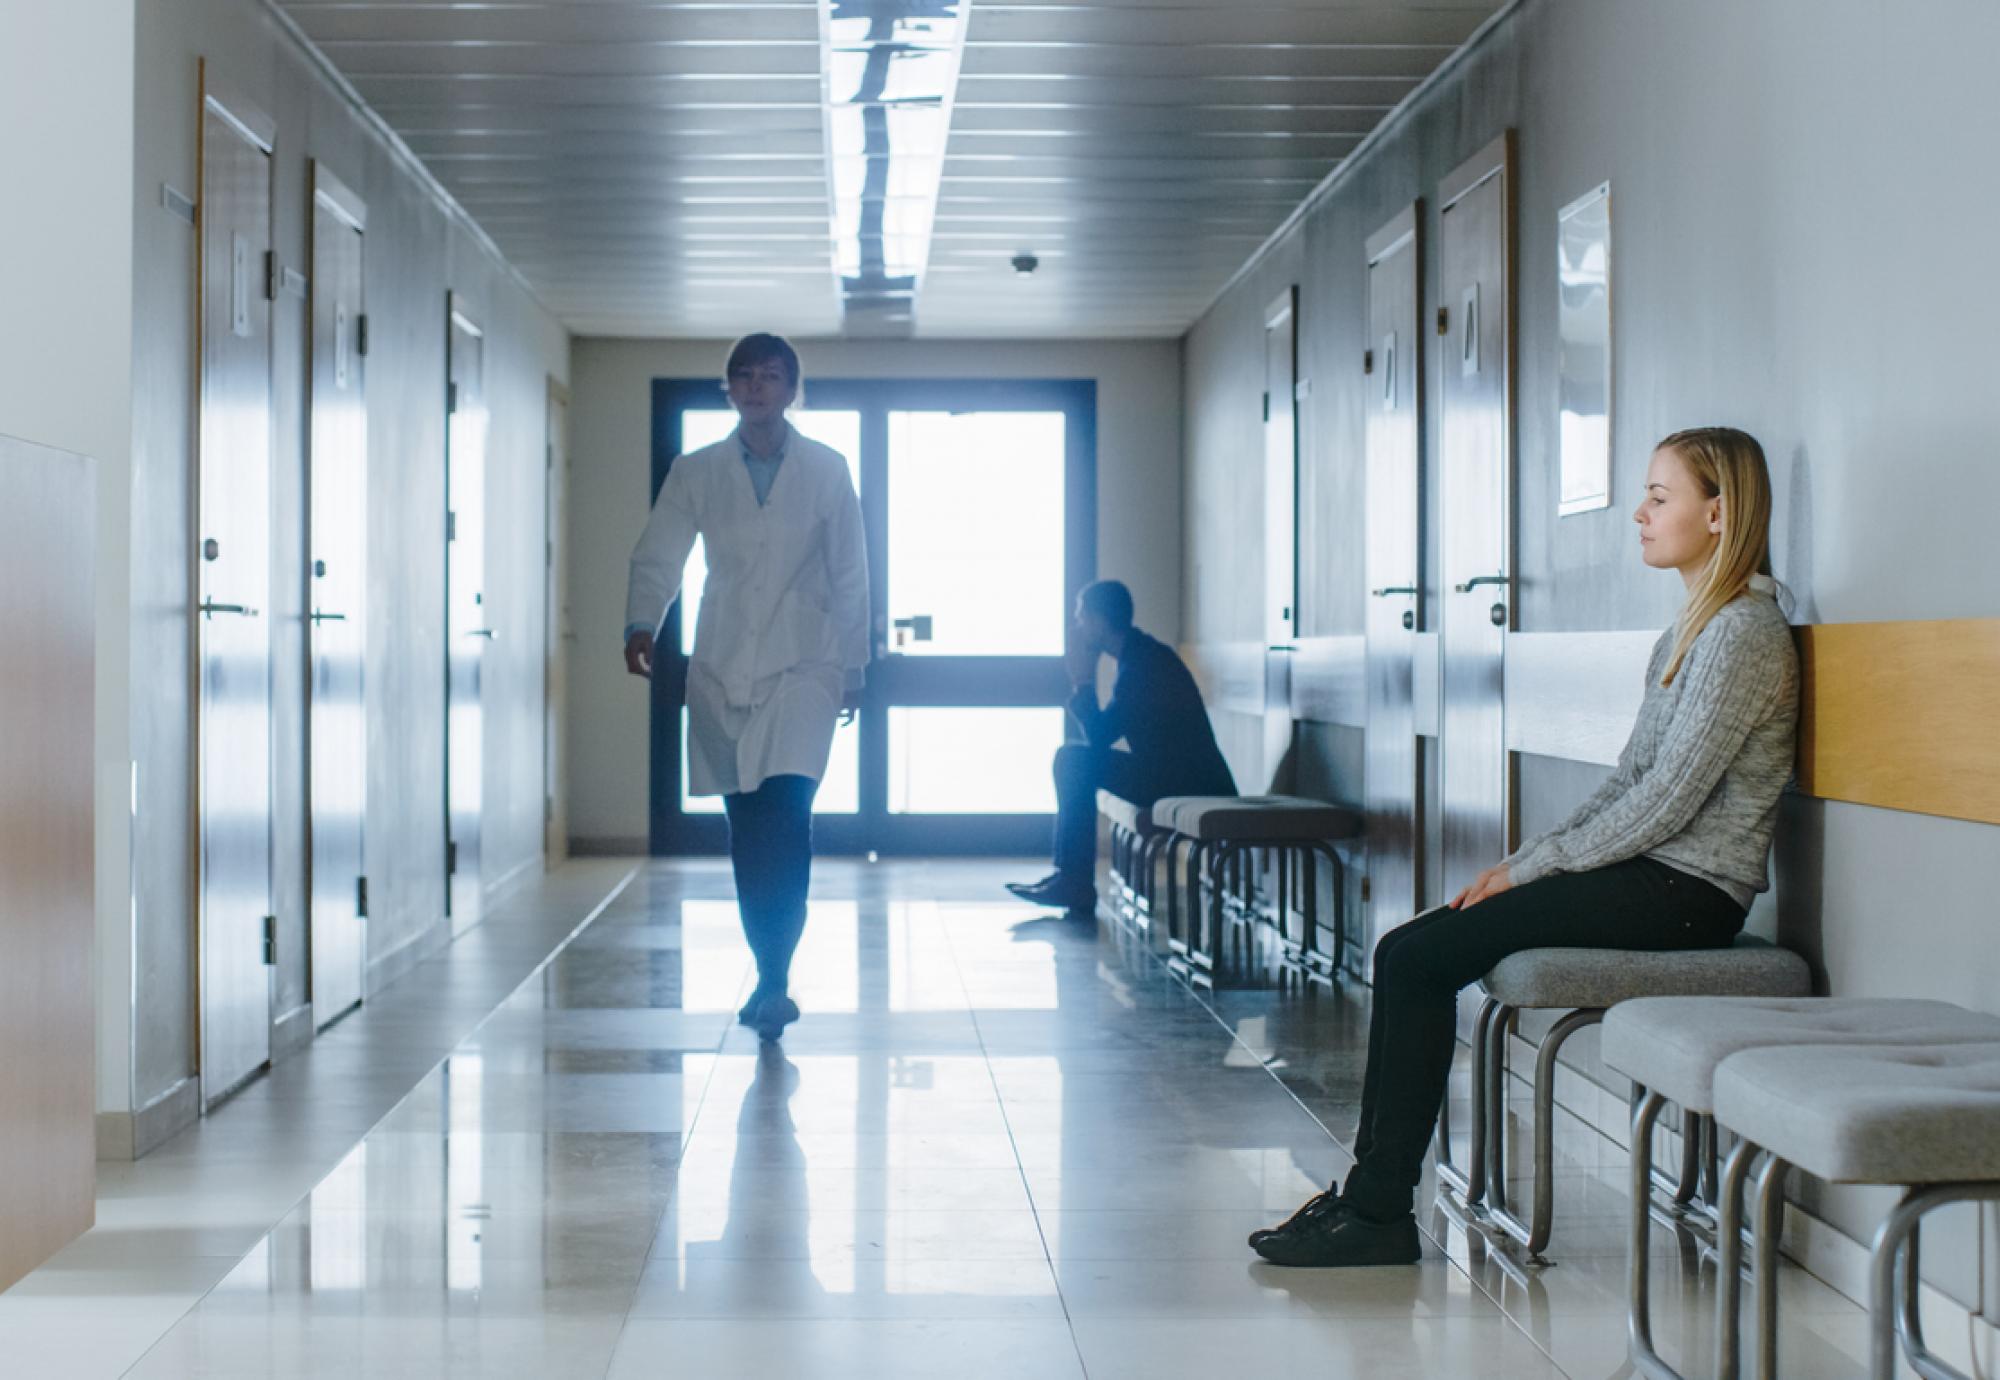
{"points": [[1895, 715], [48, 1150], [1901, 716]]}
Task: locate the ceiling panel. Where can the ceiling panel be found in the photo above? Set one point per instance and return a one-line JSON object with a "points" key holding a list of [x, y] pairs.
{"points": [[659, 167]]}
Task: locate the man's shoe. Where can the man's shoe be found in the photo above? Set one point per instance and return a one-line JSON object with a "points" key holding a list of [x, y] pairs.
{"points": [[1316, 1206], [748, 1015], [773, 1015], [1343, 1237], [1059, 890]]}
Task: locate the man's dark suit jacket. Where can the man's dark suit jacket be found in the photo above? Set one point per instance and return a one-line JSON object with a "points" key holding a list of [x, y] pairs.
{"points": [[1156, 709]]}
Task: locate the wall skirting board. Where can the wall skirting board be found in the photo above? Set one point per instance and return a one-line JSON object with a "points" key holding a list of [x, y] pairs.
{"points": [[292, 1032], [632, 847], [384, 969], [130, 1135]]}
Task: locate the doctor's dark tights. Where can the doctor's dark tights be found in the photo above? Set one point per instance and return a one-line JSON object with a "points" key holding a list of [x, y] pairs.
{"points": [[770, 844]]}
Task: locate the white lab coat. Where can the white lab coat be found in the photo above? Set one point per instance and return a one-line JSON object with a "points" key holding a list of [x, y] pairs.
{"points": [[784, 618]]}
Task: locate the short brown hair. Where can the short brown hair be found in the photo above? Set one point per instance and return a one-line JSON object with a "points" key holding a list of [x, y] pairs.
{"points": [[761, 348]]}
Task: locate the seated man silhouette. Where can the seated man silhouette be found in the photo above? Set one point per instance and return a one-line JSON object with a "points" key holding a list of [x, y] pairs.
{"points": [[1155, 710]]}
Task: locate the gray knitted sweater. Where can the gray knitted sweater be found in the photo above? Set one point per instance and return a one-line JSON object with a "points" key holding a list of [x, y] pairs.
{"points": [[1697, 785]]}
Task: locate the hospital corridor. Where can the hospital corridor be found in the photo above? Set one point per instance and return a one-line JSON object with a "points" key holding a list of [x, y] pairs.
{"points": [[990, 689]]}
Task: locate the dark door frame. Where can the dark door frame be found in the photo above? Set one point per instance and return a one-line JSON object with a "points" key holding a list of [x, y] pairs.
{"points": [[892, 680]]}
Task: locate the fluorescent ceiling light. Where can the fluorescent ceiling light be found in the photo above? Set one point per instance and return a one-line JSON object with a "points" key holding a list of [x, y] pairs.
{"points": [[889, 71]]}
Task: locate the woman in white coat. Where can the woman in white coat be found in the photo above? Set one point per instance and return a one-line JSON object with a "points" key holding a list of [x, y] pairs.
{"points": [[780, 648]]}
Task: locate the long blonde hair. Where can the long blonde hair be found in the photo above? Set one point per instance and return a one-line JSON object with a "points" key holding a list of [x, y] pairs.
{"points": [[1728, 464]]}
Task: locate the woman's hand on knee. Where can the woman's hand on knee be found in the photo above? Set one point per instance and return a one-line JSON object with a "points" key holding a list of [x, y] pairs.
{"points": [[1491, 882]]}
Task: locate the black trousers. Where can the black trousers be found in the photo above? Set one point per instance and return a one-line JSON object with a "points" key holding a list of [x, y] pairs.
{"points": [[1081, 772], [770, 847], [1421, 967]]}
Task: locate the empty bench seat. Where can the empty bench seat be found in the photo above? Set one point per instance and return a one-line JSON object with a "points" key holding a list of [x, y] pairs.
{"points": [[1923, 1117], [1218, 830], [1671, 1047]]}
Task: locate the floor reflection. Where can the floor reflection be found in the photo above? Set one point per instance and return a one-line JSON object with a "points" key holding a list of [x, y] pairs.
{"points": [[998, 1144]]}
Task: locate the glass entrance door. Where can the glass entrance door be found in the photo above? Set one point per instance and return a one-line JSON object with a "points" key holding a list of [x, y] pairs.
{"points": [[979, 503]]}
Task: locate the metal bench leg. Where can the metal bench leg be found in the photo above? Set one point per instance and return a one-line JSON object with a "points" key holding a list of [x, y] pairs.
{"points": [[1770, 1220], [1535, 1234], [1221, 861], [1638, 1262], [1729, 1260], [1894, 1263], [1690, 1181], [1470, 1182], [1332, 855], [1284, 899], [1494, 1098]]}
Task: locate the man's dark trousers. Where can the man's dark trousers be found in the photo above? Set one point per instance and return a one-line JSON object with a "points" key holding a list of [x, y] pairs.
{"points": [[1081, 772]]}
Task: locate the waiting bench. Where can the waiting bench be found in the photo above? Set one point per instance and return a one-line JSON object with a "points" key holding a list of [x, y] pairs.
{"points": [[1217, 834], [1584, 984], [1853, 1090]]}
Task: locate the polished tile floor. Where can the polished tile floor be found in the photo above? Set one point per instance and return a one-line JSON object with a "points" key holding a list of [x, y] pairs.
{"points": [[999, 1144]]}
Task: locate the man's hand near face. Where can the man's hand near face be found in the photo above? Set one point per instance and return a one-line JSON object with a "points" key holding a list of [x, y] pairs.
{"points": [[1079, 659]]}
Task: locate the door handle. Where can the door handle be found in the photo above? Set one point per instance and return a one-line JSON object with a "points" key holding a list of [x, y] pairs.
{"points": [[211, 608], [1281, 647], [1388, 590], [319, 617], [488, 633], [1476, 581]]}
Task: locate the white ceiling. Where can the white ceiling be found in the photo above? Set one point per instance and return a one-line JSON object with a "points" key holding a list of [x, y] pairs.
{"points": [[658, 167]]}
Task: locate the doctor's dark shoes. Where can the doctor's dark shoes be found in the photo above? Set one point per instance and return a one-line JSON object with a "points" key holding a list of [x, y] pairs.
{"points": [[773, 1015], [1338, 1236]]}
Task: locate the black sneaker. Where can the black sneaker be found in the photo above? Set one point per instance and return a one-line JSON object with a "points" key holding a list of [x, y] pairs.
{"points": [[1059, 890], [1316, 1206], [1342, 1237]]}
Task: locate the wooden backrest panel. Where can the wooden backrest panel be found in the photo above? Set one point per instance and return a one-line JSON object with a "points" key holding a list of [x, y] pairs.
{"points": [[1903, 716]]}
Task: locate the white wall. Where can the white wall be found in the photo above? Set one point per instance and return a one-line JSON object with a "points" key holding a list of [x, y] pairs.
{"points": [[1802, 220], [1138, 510], [66, 358], [418, 249]]}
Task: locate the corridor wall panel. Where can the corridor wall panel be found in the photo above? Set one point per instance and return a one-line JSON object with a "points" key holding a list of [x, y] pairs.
{"points": [[1769, 275], [419, 249]]}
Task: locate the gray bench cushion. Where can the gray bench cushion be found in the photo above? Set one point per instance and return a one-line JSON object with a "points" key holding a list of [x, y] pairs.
{"points": [[1673, 1044], [1869, 1114], [1550, 978], [1278, 818], [1116, 808]]}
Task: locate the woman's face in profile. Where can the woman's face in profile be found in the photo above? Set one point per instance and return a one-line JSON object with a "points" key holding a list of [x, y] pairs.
{"points": [[1678, 523], [761, 392]]}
